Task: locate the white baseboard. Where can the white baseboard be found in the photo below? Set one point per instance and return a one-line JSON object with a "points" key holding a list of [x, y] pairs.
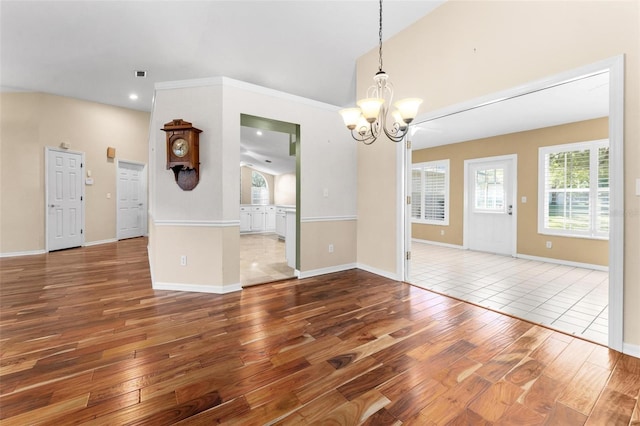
{"points": [[216, 289], [436, 243], [323, 271], [22, 253], [563, 262], [97, 243], [631, 350], [380, 272]]}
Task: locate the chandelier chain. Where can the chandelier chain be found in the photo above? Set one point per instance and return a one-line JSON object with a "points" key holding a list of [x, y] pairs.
{"points": [[380, 38]]}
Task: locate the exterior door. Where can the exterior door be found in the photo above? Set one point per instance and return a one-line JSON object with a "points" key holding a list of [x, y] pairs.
{"points": [[132, 200], [490, 209], [65, 199]]}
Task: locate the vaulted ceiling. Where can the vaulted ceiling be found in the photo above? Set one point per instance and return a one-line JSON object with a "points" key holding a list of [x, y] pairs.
{"points": [[90, 49]]}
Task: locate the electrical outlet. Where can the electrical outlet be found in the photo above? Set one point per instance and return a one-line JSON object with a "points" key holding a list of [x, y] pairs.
{"points": [[183, 260], [549, 244], [330, 248], [442, 232]]}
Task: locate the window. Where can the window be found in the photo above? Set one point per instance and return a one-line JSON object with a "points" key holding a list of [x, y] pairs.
{"points": [[430, 193], [259, 189], [574, 189], [489, 188]]}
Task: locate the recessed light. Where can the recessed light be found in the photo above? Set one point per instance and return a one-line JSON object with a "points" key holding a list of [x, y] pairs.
{"points": [[133, 96], [259, 133]]}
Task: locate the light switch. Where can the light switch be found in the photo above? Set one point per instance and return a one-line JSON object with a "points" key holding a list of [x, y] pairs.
{"points": [[524, 200], [325, 192], [638, 187]]}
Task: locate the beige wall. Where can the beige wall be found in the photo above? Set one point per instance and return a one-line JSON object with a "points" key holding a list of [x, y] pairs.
{"points": [[29, 122], [525, 145], [284, 192], [467, 49]]}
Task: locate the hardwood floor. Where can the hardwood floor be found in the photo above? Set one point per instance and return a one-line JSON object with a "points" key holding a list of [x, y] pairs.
{"points": [[85, 340]]}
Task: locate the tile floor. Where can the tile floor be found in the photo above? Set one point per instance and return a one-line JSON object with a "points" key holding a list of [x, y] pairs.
{"points": [[569, 299], [262, 259]]}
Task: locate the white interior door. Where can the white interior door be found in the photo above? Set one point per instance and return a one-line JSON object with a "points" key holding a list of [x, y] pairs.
{"points": [[65, 200], [132, 200], [490, 209]]}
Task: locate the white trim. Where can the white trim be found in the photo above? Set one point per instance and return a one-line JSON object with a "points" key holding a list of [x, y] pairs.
{"points": [[203, 223], [437, 243], [327, 270], [145, 191], [48, 149], [402, 227], [616, 201], [230, 82], [328, 219], [99, 242], [514, 194], [631, 350], [215, 289], [563, 262], [22, 253], [380, 272]]}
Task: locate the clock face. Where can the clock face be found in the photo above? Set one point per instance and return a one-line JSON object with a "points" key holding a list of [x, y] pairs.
{"points": [[180, 147]]}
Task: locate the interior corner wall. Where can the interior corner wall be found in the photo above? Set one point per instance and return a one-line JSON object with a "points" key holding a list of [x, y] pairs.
{"points": [[213, 207], [32, 121], [327, 164], [465, 50]]}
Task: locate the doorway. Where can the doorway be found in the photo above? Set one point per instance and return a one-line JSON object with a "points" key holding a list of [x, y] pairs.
{"points": [[490, 219], [437, 126], [269, 201], [132, 200], [64, 199]]}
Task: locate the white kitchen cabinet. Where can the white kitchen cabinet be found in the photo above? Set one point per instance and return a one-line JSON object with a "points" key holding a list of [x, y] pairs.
{"points": [[270, 218], [257, 218], [290, 238], [245, 219], [280, 222]]}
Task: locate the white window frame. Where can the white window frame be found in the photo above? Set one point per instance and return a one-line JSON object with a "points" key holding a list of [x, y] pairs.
{"points": [[593, 146], [439, 163]]}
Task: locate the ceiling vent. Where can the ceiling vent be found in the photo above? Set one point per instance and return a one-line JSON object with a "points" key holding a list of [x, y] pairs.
{"points": [[141, 74]]}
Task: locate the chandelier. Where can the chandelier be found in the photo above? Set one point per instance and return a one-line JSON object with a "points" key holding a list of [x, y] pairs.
{"points": [[369, 119]]}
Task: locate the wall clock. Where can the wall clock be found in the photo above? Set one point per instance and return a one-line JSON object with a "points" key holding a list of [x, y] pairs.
{"points": [[183, 156]]}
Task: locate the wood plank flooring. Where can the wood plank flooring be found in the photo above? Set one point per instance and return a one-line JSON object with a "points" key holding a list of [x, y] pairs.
{"points": [[85, 340]]}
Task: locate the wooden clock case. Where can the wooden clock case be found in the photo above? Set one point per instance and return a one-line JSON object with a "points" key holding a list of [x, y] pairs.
{"points": [[186, 168]]}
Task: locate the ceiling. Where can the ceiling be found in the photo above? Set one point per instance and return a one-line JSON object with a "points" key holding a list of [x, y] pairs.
{"points": [[91, 49], [266, 151], [576, 100]]}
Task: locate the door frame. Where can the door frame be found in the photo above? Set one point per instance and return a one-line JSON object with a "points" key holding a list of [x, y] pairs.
{"points": [[615, 65], [47, 150], [514, 197], [145, 188]]}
